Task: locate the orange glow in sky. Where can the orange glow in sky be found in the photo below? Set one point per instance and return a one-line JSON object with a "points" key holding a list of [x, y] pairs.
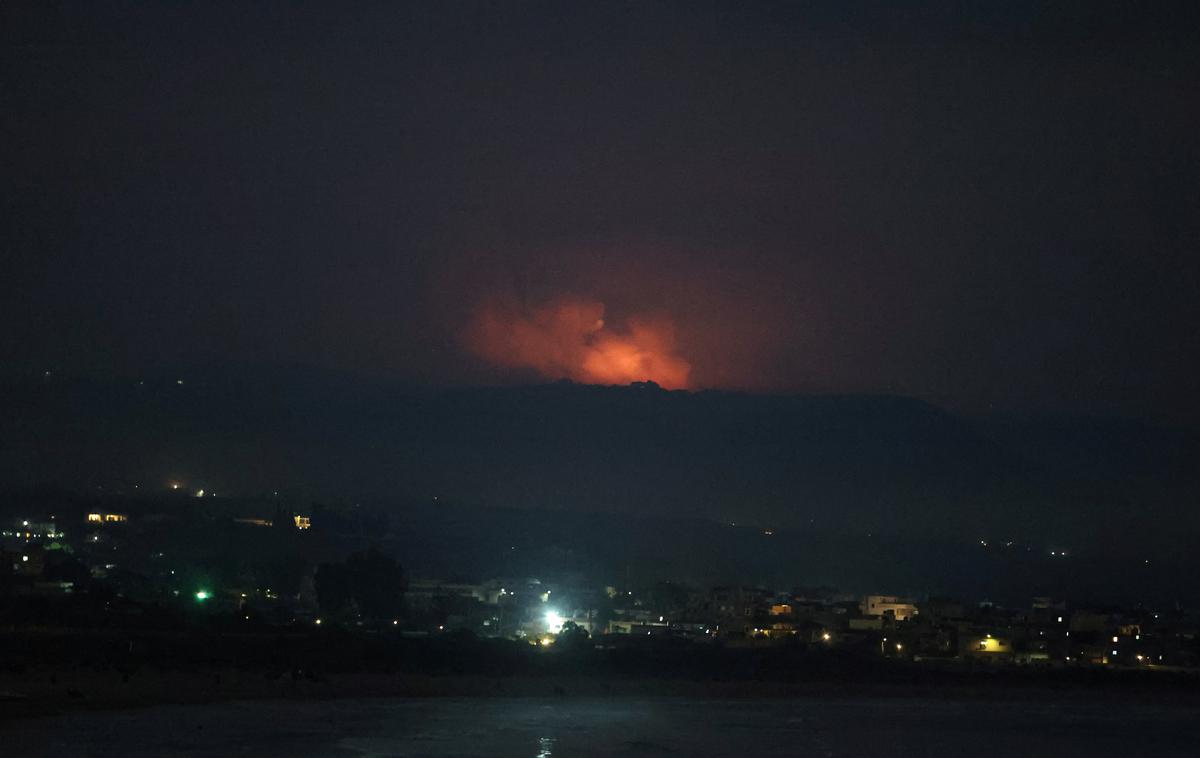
{"points": [[568, 338]]}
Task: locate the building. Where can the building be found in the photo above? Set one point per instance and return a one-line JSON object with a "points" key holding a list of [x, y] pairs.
{"points": [[887, 605], [629, 626]]}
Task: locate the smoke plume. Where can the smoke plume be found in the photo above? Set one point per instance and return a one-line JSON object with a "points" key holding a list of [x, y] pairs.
{"points": [[568, 338]]}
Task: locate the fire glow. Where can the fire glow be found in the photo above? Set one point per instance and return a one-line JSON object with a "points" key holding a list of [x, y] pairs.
{"points": [[568, 338]]}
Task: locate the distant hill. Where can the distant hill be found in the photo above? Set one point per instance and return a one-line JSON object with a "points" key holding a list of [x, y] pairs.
{"points": [[842, 466]]}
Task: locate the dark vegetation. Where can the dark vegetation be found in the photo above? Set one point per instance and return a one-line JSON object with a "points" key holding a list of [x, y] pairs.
{"points": [[316, 655]]}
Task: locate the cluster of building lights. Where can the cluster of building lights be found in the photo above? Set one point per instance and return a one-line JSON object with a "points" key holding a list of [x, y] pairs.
{"points": [[25, 533], [554, 621]]}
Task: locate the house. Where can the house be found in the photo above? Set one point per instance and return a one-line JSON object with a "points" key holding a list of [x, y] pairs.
{"points": [[887, 605]]}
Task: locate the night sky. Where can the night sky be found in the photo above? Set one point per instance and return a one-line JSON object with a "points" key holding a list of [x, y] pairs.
{"points": [[983, 205]]}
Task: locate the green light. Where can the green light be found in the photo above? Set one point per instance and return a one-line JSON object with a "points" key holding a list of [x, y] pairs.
{"points": [[202, 595]]}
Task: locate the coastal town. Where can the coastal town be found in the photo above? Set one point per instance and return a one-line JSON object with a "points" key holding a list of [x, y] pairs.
{"points": [[186, 559]]}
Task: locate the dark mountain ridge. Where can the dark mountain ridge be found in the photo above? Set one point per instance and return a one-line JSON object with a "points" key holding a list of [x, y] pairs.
{"points": [[836, 464]]}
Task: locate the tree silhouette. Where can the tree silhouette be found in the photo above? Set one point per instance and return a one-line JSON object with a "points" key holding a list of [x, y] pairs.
{"points": [[369, 585], [572, 637]]}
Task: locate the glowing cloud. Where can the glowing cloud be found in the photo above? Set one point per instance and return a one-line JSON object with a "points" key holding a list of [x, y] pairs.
{"points": [[568, 338]]}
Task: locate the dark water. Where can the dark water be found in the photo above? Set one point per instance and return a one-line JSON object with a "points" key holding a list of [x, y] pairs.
{"points": [[540, 728]]}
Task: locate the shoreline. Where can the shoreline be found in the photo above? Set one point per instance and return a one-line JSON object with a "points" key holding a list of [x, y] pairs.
{"points": [[47, 694]]}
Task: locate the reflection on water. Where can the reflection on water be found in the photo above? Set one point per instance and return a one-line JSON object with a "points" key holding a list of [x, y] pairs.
{"points": [[1061, 726]]}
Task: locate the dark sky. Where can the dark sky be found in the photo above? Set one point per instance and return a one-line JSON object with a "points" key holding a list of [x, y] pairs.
{"points": [[981, 204]]}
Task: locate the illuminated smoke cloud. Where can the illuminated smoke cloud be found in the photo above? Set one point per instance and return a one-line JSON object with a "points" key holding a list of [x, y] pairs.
{"points": [[568, 338]]}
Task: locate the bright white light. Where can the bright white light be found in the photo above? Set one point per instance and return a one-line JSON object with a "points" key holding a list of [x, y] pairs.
{"points": [[554, 621]]}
